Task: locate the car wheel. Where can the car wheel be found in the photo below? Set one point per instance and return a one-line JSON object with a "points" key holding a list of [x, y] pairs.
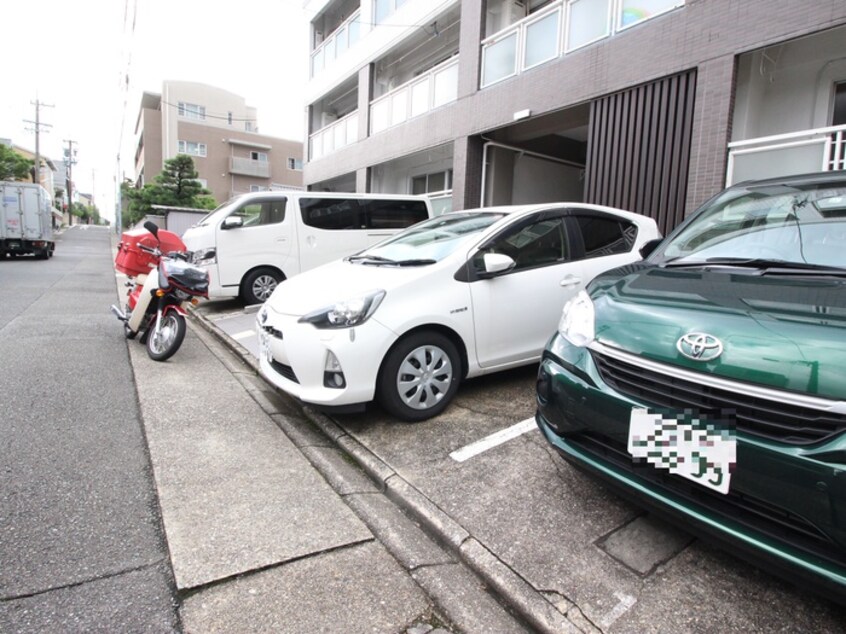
{"points": [[419, 376], [259, 285]]}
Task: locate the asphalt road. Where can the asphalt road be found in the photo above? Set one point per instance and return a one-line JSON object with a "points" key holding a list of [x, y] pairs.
{"points": [[605, 563], [81, 541]]}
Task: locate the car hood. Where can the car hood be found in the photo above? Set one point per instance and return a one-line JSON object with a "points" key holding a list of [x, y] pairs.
{"points": [[338, 281], [784, 332]]}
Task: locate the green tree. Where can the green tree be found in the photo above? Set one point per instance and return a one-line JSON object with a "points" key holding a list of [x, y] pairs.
{"points": [[13, 166], [86, 214], [176, 186], [178, 182]]}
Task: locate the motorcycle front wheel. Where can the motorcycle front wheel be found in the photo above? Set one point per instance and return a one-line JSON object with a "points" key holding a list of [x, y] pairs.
{"points": [[164, 345]]}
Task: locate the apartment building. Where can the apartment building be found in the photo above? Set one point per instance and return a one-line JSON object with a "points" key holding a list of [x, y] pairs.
{"points": [[649, 105], [219, 131]]}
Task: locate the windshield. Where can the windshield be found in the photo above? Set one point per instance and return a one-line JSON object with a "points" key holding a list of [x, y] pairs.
{"points": [[431, 240], [204, 220], [780, 224]]}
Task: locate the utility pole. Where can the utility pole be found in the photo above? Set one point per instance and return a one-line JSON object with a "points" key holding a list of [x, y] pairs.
{"points": [[37, 125], [70, 160]]}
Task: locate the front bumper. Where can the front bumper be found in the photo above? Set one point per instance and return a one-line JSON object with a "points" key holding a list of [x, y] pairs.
{"points": [[293, 355], [785, 511]]}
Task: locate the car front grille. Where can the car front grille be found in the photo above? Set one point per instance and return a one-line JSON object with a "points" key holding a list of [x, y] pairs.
{"points": [[285, 370], [770, 419], [753, 513]]}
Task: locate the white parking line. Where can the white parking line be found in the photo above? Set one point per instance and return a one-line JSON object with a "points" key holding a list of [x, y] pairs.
{"points": [[494, 440], [243, 334]]}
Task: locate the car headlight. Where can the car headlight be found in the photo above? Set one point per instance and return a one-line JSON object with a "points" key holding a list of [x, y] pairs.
{"points": [[204, 256], [577, 320], [350, 312]]}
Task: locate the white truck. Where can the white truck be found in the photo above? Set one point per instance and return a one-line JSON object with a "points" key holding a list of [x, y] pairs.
{"points": [[26, 220]]}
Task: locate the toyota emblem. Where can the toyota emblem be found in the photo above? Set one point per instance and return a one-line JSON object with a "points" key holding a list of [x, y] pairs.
{"points": [[700, 346]]}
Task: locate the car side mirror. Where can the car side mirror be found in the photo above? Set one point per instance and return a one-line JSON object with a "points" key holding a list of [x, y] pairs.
{"points": [[648, 247], [232, 222], [497, 263]]}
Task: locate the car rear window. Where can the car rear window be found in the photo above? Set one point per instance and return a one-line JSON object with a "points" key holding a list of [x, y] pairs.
{"points": [[337, 214]]}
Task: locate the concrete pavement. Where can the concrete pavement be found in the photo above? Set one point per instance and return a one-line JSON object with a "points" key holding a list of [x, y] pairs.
{"points": [[319, 438], [271, 528]]}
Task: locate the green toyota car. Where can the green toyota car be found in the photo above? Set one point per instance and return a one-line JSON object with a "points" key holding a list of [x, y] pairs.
{"points": [[708, 382]]}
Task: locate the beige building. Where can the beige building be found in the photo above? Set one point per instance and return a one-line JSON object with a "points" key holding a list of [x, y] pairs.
{"points": [[220, 132]]}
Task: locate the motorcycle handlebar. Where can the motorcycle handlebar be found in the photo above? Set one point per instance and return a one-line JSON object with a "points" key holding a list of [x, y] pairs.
{"points": [[152, 250]]}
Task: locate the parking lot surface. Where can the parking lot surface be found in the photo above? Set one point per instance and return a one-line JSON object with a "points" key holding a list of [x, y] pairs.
{"points": [[590, 554]]}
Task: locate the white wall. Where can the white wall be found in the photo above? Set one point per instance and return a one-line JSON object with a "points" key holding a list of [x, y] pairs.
{"points": [[789, 87], [538, 180]]}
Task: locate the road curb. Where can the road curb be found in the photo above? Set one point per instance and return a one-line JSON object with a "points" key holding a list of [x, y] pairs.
{"points": [[512, 589]]}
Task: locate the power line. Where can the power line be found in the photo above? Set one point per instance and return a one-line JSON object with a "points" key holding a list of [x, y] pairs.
{"points": [[206, 115]]}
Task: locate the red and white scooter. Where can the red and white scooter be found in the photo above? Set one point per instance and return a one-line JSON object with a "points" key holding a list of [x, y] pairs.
{"points": [[160, 281]]}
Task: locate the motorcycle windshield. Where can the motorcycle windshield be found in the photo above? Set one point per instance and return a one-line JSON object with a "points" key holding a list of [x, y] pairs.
{"points": [[183, 275]]}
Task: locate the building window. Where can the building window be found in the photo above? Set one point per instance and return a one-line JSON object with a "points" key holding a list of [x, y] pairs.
{"points": [[229, 118], [192, 111], [295, 164], [258, 156], [839, 115], [259, 188], [382, 9], [634, 11], [588, 22], [191, 149], [431, 183]]}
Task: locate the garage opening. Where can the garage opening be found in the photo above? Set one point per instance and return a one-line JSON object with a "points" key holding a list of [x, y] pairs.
{"points": [[540, 159]]}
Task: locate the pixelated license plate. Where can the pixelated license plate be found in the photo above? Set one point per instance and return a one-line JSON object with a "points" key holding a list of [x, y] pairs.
{"points": [[686, 445]]}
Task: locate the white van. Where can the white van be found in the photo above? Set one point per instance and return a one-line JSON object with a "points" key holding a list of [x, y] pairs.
{"points": [[256, 240]]}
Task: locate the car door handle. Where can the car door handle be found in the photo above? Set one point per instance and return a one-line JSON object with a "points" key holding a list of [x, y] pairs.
{"points": [[571, 280]]}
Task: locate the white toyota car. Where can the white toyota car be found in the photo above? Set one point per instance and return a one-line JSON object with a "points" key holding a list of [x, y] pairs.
{"points": [[457, 296]]}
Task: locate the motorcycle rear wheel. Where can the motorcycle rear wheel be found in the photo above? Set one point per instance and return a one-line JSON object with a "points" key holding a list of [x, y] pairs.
{"points": [[164, 345]]}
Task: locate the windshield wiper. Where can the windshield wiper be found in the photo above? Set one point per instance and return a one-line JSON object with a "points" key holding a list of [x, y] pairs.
{"points": [[370, 259], [378, 260], [417, 262], [765, 266]]}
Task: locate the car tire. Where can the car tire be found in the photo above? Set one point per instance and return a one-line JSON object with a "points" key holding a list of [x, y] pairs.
{"points": [[419, 376], [259, 285]]}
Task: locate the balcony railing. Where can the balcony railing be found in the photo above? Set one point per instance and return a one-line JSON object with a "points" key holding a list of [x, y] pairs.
{"points": [[820, 149], [560, 28], [338, 42], [441, 201], [437, 87], [249, 167], [334, 136]]}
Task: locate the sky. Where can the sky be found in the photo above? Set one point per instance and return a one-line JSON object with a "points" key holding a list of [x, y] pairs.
{"points": [[89, 61]]}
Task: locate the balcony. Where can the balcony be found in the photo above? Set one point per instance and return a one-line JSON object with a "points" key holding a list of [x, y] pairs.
{"points": [[249, 167], [433, 89], [338, 42], [821, 149], [334, 136], [558, 29]]}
